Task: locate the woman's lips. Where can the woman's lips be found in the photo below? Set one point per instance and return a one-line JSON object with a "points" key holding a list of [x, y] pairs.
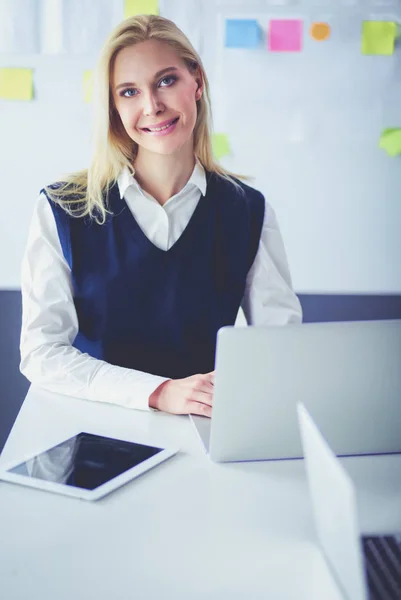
{"points": [[171, 125]]}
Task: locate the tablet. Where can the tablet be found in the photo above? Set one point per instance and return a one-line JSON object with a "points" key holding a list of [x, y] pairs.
{"points": [[86, 466]]}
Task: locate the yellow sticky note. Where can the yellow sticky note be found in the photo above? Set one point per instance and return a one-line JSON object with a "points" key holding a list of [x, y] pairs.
{"points": [[220, 145], [378, 37], [16, 84], [140, 7], [88, 86], [390, 141]]}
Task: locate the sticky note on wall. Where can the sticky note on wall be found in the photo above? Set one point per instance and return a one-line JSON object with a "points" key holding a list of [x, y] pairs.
{"points": [[320, 31], [390, 141], [242, 33], [220, 145], [378, 37], [140, 7], [285, 35], [16, 84]]}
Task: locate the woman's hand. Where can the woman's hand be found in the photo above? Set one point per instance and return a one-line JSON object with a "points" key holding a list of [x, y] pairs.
{"points": [[192, 395]]}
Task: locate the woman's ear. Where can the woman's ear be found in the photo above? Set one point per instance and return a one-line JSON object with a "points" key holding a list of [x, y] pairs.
{"points": [[199, 83]]}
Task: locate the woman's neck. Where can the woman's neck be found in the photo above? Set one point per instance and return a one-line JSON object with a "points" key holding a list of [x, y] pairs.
{"points": [[163, 176]]}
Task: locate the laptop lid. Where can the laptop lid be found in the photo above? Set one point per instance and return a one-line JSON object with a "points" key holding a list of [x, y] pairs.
{"points": [[202, 426], [335, 369], [334, 506]]}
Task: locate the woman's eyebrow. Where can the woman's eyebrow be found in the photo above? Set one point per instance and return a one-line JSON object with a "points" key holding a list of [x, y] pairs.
{"points": [[158, 74]]}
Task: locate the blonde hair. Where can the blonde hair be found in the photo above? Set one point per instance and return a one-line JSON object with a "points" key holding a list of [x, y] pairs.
{"points": [[85, 192]]}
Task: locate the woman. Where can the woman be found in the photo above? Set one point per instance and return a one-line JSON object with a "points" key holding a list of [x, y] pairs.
{"points": [[133, 265]]}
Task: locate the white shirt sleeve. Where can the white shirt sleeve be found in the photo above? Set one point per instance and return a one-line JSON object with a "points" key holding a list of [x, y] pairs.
{"points": [[269, 298], [50, 325]]}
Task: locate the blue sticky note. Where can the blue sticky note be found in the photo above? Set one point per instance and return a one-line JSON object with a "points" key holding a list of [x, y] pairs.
{"points": [[242, 33]]}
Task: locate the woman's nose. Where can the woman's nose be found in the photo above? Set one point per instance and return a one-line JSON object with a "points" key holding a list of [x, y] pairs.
{"points": [[152, 104]]}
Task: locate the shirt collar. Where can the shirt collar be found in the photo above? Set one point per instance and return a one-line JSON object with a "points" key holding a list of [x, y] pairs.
{"points": [[198, 178]]}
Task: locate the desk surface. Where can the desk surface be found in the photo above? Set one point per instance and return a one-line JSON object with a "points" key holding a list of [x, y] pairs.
{"points": [[189, 529]]}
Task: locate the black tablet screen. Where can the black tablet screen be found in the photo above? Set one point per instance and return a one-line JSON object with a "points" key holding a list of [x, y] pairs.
{"points": [[86, 460]]}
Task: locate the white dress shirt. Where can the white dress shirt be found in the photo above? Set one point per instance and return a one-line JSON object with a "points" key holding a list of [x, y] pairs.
{"points": [[49, 318]]}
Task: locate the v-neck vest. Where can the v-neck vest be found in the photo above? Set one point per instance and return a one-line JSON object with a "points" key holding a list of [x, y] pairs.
{"points": [[154, 310]]}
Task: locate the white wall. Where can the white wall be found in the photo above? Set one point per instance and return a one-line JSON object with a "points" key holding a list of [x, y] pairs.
{"points": [[306, 127], [39, 141]]}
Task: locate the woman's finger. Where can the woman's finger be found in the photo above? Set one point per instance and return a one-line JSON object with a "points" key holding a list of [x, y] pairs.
{"points": [[210, 376], [205, 386], [197, 408], [201, 397]]}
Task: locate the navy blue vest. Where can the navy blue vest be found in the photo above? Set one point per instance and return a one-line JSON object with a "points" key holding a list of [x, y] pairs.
{"points": [[159, 311]]}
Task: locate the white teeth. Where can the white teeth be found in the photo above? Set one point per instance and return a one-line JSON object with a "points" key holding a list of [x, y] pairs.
{"points": [[161, 128]]}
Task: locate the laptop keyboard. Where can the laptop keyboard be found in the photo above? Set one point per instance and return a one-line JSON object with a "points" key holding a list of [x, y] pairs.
{"points": [[383, 566]]}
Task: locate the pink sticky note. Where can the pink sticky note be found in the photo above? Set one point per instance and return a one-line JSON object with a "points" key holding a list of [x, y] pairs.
{"points": [[285, 35]]}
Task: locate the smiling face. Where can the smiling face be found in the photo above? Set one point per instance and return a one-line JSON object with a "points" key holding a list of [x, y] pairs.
{"points": [[155, 95]]}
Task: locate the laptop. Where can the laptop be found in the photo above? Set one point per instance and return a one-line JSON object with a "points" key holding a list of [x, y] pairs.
{"points": [[365, 566], [347, 373]]}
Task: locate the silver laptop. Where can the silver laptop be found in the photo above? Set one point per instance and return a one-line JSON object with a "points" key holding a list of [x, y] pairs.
{"points": [[365, 567], [347, 373]]}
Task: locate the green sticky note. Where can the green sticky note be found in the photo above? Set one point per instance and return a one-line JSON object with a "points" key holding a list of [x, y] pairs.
{"points": [[87, 86], [140, 7], [390, 141], [16, 84], [378, 37], [221, 145]]}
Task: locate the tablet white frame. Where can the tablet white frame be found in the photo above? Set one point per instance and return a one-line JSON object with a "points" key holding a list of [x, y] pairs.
{"points": [[75, 492]]}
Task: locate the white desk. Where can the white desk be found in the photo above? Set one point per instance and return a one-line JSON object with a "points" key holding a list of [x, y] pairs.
{"points": [[189, 529]]}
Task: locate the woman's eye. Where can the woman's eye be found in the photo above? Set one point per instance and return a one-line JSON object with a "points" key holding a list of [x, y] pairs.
{"points": [[128, 93], [168, 81], [165, 82]]}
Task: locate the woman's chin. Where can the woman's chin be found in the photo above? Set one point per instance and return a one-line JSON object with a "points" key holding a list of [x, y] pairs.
{"points": [[164, 147]]}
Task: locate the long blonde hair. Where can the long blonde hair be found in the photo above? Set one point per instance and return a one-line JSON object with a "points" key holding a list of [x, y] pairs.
{"points": [[85, 192]]}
